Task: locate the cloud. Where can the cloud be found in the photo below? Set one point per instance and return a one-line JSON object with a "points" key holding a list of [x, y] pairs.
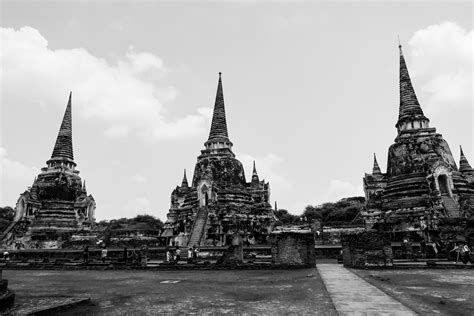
{"points": [[340, 189], [287, 21], [138, 178], [15, 170], [129, 96], [134, 207], [268, 167], [442, 58], [15, 174], [130, 209]]}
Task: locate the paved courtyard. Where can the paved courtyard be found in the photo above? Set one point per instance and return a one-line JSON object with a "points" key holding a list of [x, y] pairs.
{"points": [[328, 290], [204, 292], [428, 292]]}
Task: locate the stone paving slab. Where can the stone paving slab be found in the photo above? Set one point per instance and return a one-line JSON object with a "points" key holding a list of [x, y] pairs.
{"points": [[351, 295], [45, 305]]}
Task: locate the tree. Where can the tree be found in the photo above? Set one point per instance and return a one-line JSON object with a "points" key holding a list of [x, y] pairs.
{"points": [[344, 210], [286, 218], [7, 213]]}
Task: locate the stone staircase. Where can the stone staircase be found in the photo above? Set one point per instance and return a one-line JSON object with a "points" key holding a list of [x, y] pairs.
{"points": [[198, 227], [450, 205], [8, 230]]}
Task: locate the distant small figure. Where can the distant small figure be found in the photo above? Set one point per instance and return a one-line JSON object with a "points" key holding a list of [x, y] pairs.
{"points": [[190, 255], [457, 248], [423, 249], [435, 248], [133, 256], [195, 253], [407, 248], [168, 255], [125, 255], [139, 258], [177, 255], [103, 254], [85, 255], [144, 255], [466, 254], [6, 255]]}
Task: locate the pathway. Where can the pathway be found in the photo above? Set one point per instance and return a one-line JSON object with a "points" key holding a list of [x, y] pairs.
{"points": [[351, 295]]}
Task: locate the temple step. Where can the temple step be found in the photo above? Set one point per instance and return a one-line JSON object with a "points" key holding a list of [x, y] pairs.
{"points": [[198, 227], [450, 205], [7, 230]]}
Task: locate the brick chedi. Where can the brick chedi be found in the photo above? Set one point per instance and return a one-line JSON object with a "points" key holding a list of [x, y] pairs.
{"points": [[219, 202], [56, 206], [422, 184]]}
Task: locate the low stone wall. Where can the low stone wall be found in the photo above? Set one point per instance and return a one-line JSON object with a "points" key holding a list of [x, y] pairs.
{"points": [[158, 253], [366, 249], [293, 249]]}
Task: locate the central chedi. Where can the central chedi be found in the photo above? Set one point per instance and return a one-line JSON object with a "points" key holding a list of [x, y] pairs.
{"points": [[219, 202], [422, 188]]}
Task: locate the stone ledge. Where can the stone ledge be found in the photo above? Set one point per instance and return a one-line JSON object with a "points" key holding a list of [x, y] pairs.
{"points": [[161, 267], [48, 306]]}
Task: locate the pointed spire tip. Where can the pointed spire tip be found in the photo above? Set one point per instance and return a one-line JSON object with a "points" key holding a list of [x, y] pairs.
{"points": [[63, 145], [219, 124]]}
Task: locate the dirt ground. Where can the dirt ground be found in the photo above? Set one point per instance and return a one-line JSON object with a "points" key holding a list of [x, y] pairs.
{"points": [[428, 292], [263, 292]]}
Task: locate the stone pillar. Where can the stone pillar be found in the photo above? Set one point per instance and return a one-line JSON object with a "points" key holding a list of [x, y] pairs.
{"points": [[238, 246]]}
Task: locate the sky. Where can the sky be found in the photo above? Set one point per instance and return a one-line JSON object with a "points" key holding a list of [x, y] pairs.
{"points": [[310, 88]]}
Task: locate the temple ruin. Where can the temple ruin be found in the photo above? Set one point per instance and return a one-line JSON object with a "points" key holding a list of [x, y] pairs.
{"points": [[219, 202], [422, 188], [56, 207]]}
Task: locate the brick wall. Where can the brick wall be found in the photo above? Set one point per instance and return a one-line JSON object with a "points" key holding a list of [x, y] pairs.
{"points": [[296, 249], [366, 249]]}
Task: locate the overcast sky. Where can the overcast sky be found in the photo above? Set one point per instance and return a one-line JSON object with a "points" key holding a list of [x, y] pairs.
{"points": [[311, 91]]}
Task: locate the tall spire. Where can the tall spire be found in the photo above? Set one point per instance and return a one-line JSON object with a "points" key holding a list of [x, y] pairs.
{"points": [[376, 168], [409, 106], [255, 178], [219, 124], [276, 208], [463, 163], [63, 146], [184, 183]]}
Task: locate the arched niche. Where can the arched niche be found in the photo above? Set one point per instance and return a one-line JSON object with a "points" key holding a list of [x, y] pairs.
{"points": [[20, 209], [90, 210], [443, 180], [203, 193]]}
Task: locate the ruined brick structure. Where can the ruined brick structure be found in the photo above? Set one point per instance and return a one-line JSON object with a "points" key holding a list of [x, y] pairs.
{"points": [[293, 248], [219, 201], [366, 249], [422, 185], [56, 206]]}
